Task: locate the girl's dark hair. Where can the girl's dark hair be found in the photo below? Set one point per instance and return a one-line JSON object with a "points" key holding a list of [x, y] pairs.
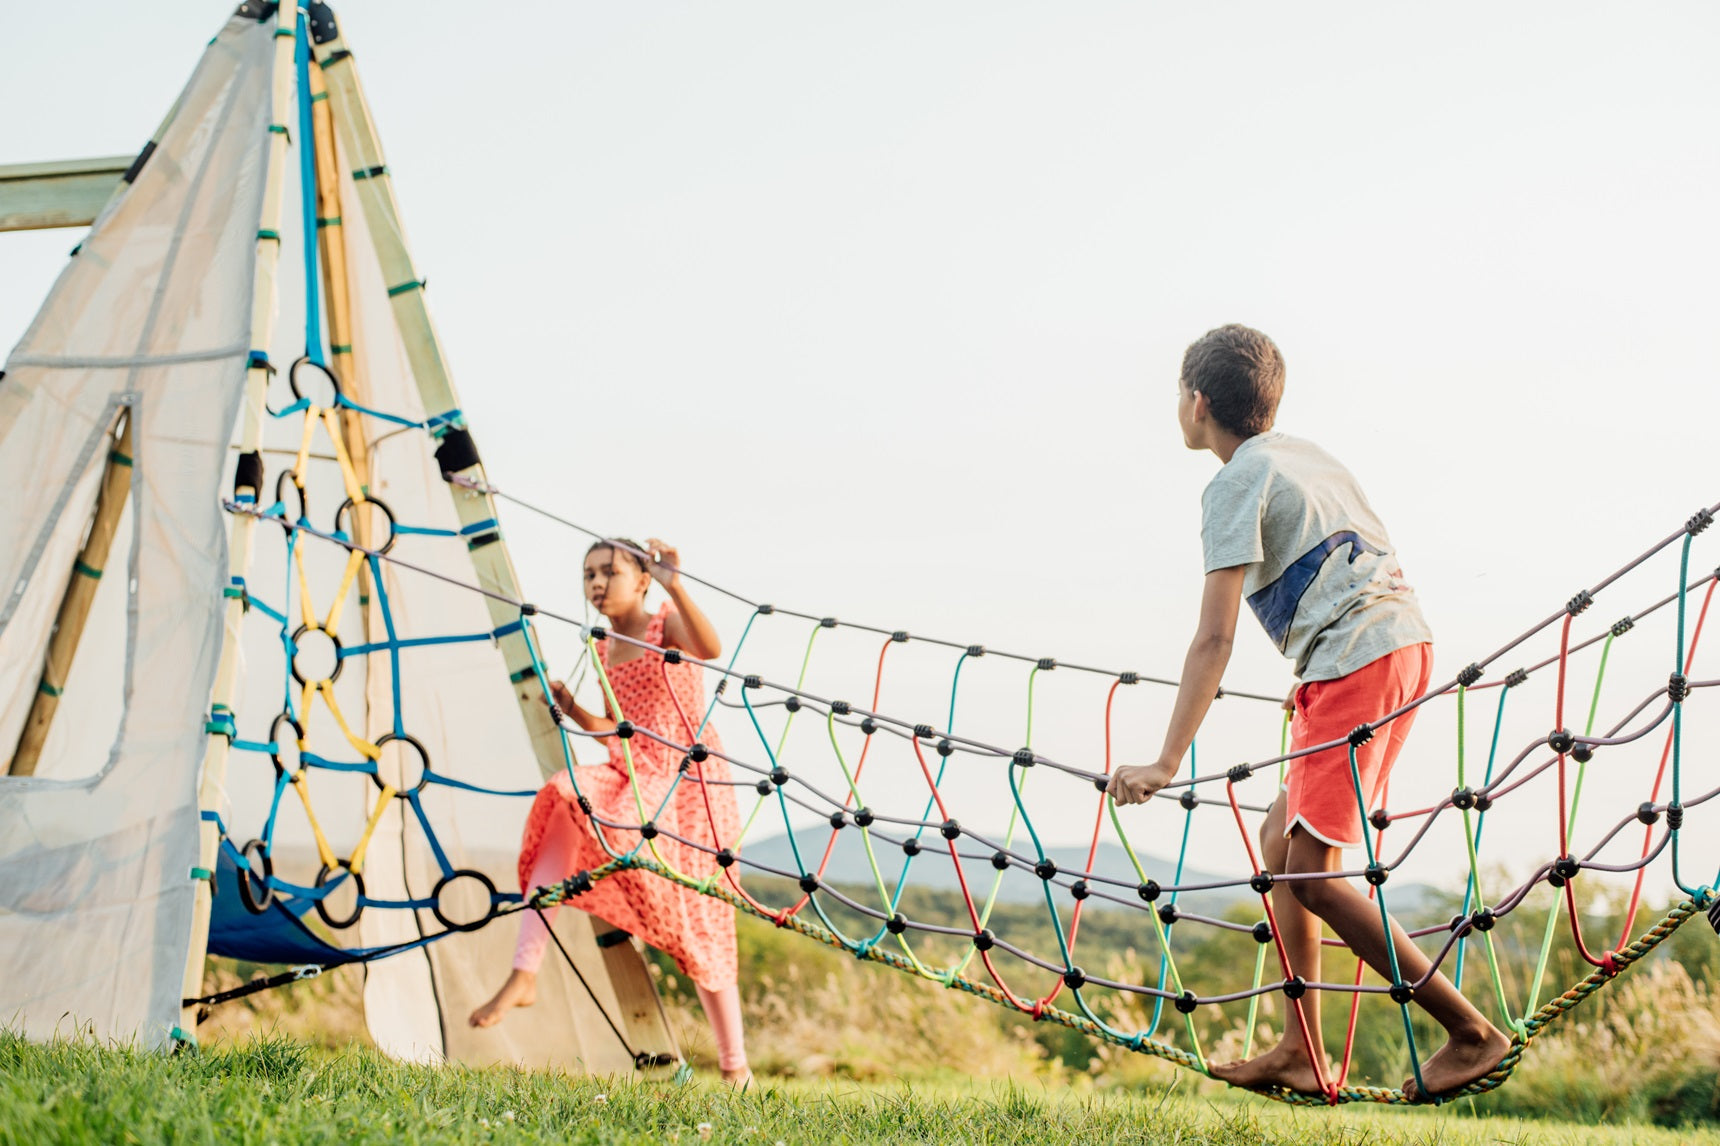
{"points": [[615, 543]]}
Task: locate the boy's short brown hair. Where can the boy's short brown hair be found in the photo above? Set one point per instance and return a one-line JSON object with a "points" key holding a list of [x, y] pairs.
{"points": [[1241, 373]]}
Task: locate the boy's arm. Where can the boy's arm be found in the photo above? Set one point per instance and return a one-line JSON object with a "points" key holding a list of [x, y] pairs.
{"points": [[1203, 669]]}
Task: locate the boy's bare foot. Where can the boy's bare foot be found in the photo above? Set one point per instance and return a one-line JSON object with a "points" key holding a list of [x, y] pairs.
{"points": [[519, 991], [739, 1079], [1284, 1065], [1465, 1057]]}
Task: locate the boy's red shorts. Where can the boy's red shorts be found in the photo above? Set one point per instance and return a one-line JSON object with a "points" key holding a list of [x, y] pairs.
{"points": [[1319, 792]]}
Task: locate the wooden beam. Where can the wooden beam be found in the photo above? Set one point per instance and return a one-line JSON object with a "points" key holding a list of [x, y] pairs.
{"points": [[66, 193], [75, 605]]}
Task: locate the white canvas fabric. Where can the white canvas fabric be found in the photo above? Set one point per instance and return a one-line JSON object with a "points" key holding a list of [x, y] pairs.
{"points": [[97, 849]]}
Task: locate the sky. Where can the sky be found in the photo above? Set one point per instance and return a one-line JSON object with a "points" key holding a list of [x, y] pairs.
{"points": [[876, 311]]}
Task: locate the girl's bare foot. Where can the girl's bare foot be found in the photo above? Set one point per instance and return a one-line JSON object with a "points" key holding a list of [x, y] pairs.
{"points": [[1465, 1057], [739, 1079], [1285, 1065], [519, 991]]}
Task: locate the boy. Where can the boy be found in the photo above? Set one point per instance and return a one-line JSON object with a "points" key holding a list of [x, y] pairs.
{"points": [[1284, 524]]}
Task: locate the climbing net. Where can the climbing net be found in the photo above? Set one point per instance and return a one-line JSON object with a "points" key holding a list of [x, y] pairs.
{"points": [[901, 829]]}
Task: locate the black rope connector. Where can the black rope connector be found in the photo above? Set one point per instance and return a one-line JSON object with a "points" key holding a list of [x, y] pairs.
{"points": [[1186, 1003], [1188, 799], [899, 635], [1360, 735], [924, 732], [1238, 773], [585, 804], [1483, 801], [1645, 813], [762, 787], [1402, 993], [1622, 626], [864, 817], [792, 703], [1295, 987], [840, 707], [809, 883], [945, 747], [1102, 783], [1379, 818], [726, 858], [581, 883], [765, 610], [827, 623], [1699, 521], [753, 682], [950, 830], [1561, 740], [1566, 868], [1376, 873], [1167, 914], [976, 650], [599, 633], [698, 754], [624, 730], [1148, 891], [1583, 753], [1470, 674], [1128, 678], [1714, 913], [1074, 978], [1675, 816], [1516, 677], [1262, 932], [896, 924], [779, 775], [1046, 664], [1463, 798], [527, 609], [648, 829], [1022, 758], [838, 820], [1581, 601], [1677, 688], [457, 452], [1000, 860], [671, 656], [868, 726], [1483, 920], [983, 939], [1079, 890], [1260, 882], [910, 846], [1045, 870]]}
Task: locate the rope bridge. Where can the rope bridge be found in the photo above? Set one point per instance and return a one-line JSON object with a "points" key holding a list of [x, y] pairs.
{"points": [[894, 839]]}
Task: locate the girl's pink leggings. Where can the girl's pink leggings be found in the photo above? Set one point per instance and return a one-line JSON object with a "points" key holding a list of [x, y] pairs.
{"points": [[554, 862]]}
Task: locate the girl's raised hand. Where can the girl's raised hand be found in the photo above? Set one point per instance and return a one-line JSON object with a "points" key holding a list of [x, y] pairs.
{"points": [[665, 562], [562, 696]]}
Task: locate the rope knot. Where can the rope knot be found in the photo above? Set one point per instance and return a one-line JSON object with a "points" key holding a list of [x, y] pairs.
{"points": [[1610, 965]]}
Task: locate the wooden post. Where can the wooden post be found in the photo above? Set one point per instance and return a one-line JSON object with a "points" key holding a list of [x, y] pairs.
{"points": [[642, 1017], [75, 605], [211, 788]]}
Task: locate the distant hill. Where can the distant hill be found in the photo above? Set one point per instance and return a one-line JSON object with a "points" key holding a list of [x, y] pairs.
{"points": [[933, 871]]}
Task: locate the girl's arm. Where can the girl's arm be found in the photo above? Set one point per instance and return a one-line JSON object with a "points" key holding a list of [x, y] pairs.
{"points": [[687, 627], [590, 722]]}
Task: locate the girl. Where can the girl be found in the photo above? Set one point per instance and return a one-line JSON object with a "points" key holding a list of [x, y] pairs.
{"points": [[669, 700]]}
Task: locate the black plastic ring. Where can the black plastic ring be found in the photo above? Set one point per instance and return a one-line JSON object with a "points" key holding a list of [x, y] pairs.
{"points": [[305, 360], [463, 873], [423, 757], [323, 874], [256, 896], [275, 739], [386, 512], [339, 663], [284, 483]]}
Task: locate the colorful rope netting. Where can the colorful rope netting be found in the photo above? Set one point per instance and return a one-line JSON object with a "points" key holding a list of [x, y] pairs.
{"points": [[928, 828]]}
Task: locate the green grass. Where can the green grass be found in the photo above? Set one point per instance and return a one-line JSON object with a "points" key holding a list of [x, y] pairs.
{"points": [[276, 1090]]}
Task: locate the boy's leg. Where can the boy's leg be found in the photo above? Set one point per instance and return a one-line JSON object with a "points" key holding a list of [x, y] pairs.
{"points": [[1474, 1046], [1287, 1064]]}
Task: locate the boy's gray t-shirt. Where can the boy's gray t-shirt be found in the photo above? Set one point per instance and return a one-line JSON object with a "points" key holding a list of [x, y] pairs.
{"points": [[1320, 571]]}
